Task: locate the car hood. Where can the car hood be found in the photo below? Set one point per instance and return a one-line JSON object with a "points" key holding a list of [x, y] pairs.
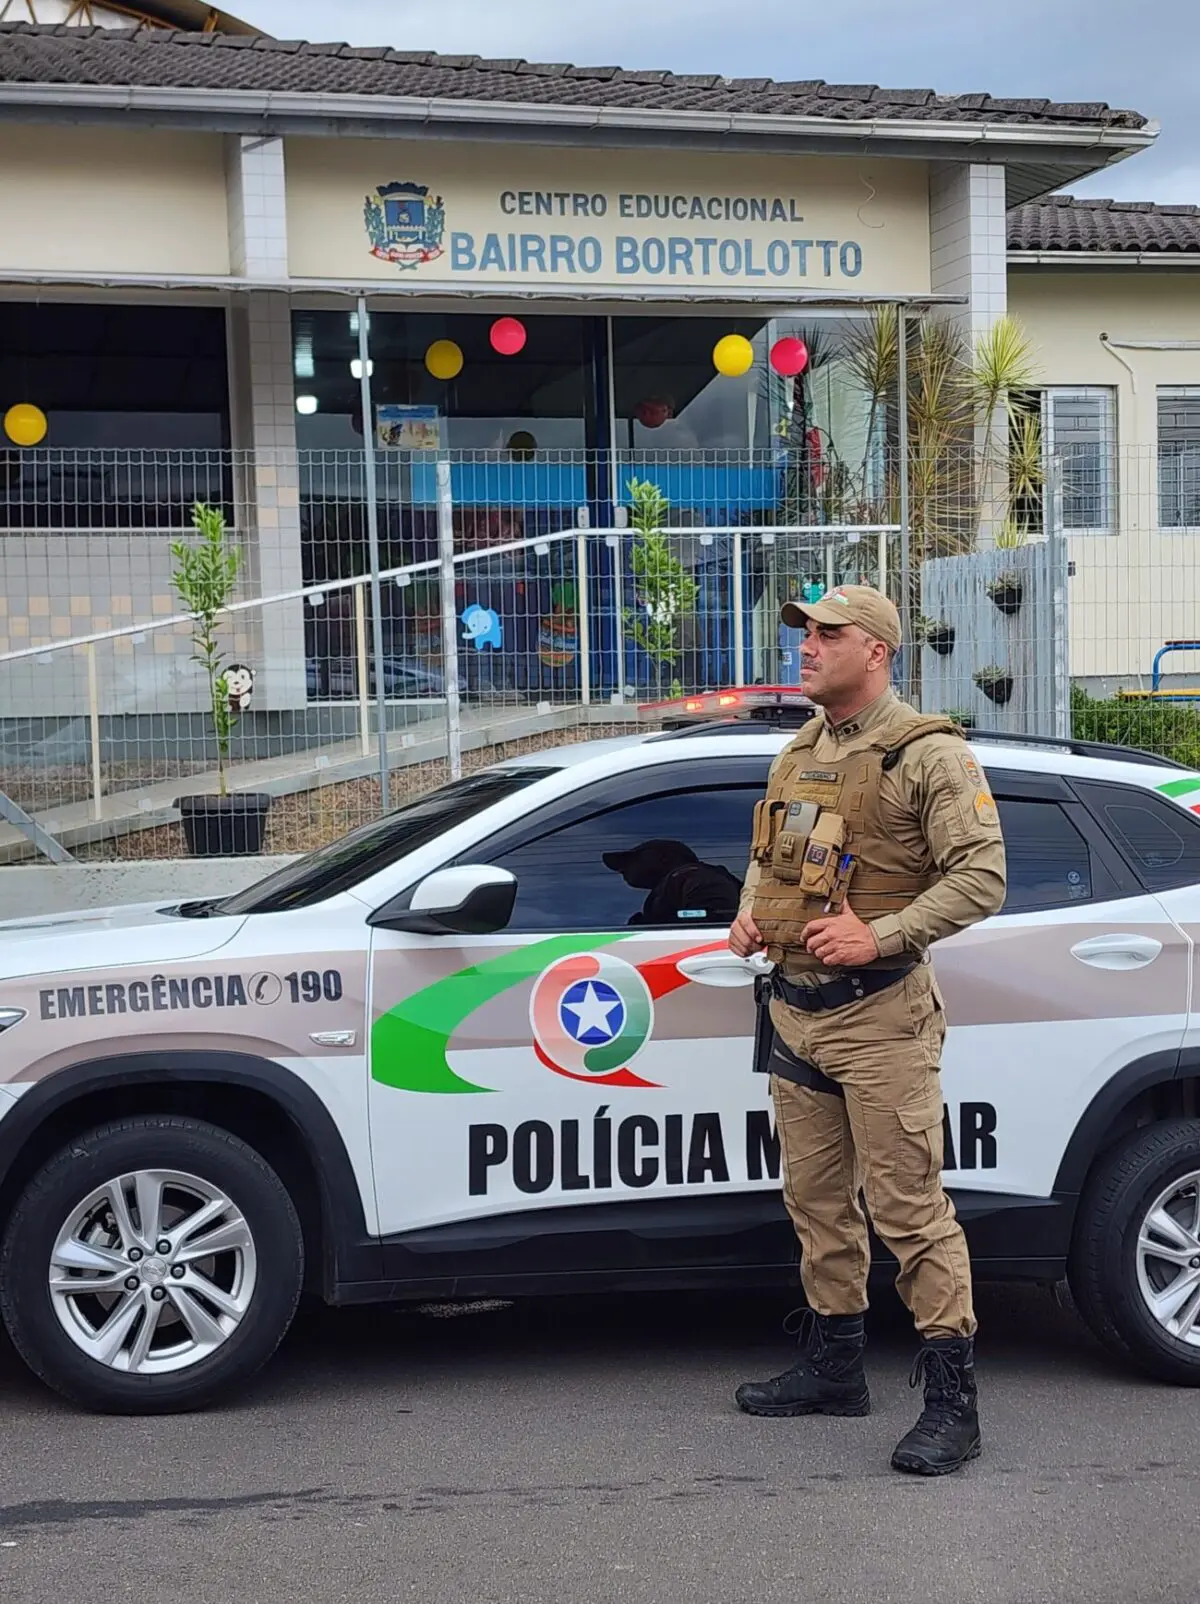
{"points": [[151, 932]]}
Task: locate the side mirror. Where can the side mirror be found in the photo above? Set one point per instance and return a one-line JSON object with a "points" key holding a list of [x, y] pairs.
{"points": [[472, 900]]}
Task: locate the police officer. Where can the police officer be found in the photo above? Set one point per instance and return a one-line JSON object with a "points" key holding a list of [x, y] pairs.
{"points": [[876, 838]]}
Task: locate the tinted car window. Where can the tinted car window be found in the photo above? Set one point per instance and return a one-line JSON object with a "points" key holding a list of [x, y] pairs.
{"points": [[1049, 865], [1160, 840], [373, 846], [663, 862]]}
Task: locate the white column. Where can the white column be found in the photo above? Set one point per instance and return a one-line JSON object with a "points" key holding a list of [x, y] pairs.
{"points": [[264, 411], [969, 257], [968, 243], [257, 198]]}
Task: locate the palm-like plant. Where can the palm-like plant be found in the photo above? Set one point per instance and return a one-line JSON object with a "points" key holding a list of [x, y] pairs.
{"points": [[972, 440], [1002, 368]]}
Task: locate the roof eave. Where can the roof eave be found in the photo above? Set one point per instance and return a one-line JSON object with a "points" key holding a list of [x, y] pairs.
{"points": [[462, 118], [793, 298], [1187, 261]]}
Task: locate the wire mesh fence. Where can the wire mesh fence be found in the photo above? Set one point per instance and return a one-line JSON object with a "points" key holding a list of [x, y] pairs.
{"points": [[1058, 606]]}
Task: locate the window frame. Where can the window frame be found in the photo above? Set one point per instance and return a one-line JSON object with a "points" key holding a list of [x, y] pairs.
{"points": [[743, 772], [1111, 877], [1111, 490], [1172, 392]]}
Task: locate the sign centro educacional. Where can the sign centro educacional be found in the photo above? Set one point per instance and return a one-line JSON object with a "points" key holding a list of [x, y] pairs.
{"points": [[406, 226]]}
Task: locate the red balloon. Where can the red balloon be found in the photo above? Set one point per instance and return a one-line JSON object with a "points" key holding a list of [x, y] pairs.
{"points": [[653, 413], [508, 336], [789, 356]]}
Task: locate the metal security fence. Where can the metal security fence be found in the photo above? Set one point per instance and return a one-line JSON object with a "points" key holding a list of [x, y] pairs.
{"points": [[497, 615], [485, 602]]}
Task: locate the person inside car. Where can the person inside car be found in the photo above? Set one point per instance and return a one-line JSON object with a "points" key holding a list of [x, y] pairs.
{"points": [[681, 889]]}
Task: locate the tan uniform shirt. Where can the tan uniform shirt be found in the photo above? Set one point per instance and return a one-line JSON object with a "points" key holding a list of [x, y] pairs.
{"points": [[936, 804]]}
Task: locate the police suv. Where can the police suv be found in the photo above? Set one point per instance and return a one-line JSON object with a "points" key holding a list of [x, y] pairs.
{"points": [[495, 1044]]}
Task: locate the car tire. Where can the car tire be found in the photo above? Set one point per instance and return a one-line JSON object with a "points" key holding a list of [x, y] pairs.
{"points": [[202, 1318], [1130, 1266]]}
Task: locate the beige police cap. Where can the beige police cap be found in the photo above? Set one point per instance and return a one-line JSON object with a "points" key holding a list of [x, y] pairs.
{"points": [[849, 604]]}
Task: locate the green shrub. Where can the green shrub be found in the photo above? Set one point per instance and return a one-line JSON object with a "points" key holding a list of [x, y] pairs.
{"points": [[1170, 729]]}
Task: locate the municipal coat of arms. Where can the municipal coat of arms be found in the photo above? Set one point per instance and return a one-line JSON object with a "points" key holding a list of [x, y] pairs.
{"points": [[405, 225]]}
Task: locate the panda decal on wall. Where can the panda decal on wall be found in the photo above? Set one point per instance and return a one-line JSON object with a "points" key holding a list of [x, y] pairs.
{"points": [[239, 687]]}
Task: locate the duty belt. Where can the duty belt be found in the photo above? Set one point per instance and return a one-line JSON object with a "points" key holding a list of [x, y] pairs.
{"points": [[840, 993]]}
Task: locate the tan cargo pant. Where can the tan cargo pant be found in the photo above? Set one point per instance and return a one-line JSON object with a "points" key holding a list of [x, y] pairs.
{"points": [[885, 1140]]}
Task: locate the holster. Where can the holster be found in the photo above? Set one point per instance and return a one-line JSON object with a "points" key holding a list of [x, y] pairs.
{"points": [[772, 1056], [764, 1030]]}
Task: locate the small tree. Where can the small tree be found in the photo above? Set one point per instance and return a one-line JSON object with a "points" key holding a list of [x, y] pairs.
{"points": [[205, 579], [665, 591]]}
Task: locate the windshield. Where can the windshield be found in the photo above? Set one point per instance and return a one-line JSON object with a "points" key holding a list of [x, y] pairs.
{"points": [[372, 847]]}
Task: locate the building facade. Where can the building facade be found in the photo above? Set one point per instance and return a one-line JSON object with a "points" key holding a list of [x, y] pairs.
{"points": [[198, 219]]}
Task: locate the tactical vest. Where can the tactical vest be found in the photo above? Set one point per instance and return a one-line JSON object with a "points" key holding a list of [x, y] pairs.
{"points": [[812, 820]]}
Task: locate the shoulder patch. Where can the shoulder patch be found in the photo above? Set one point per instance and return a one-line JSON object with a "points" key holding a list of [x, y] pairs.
{"points": [[971, 770], [985, 808]]}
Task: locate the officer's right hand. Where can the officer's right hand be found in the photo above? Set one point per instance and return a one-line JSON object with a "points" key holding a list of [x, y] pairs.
{"points": [[745, 938]]}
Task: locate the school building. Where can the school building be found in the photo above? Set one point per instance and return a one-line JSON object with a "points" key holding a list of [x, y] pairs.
{"points": [[196, 217]]}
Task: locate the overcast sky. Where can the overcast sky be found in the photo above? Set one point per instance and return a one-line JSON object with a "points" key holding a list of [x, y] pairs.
{"points": [[1140, 54]]}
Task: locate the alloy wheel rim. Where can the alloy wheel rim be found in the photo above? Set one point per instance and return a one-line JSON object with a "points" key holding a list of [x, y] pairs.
{"points": [[1168, 1259], [153, 1272]]}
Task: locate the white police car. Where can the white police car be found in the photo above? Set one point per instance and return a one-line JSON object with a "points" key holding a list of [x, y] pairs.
{"points": [[495, 1044]]}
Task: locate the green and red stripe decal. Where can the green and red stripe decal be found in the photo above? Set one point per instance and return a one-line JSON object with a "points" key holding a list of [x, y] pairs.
{"points": [[1185, 791]]}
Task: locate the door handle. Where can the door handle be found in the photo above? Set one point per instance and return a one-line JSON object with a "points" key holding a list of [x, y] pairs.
{"points": [[1118, 951], [723, 968]]}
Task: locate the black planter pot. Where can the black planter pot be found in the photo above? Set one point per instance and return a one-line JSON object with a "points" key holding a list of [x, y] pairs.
{"points": [[998, 691], [941, 641], [225, 826], [1008, 598]]}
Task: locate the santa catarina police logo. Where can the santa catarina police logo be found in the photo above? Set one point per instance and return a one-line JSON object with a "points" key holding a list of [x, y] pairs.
{"points": [[405, 224], [591, 1015]]}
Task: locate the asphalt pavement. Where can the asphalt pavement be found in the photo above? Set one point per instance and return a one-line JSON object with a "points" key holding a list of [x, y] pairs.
{"points": [[589, 1453]]}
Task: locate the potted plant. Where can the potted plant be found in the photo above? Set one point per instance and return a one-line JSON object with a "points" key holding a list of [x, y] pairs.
{"points": [[995, 683], [205, 577], [962, 716], [937, 634], [1007, 591], [665, 592]]}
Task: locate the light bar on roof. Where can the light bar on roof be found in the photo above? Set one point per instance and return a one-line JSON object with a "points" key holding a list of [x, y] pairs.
{"points": [[730, 703]]}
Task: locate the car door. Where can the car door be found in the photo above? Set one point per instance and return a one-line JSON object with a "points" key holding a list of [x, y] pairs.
{"points": [[1158, 834], [1081, 973], [568, 1059]]}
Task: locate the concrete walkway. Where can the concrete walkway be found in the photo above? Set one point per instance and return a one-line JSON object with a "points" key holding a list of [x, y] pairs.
{"points": [[147, 807]]}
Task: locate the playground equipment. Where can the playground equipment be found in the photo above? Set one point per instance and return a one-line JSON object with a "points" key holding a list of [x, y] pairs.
{"points": [[1182, 693]]}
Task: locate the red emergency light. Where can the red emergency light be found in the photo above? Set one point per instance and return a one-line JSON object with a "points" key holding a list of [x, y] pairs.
{"points": [[768, 703]]}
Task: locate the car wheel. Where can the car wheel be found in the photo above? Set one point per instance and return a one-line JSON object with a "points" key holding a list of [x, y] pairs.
{"points": [[152, 1266], [1135, 1263]]}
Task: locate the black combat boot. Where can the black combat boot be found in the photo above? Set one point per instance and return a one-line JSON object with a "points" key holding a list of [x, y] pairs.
{"points": [[827, 1379], [947, 1434]]}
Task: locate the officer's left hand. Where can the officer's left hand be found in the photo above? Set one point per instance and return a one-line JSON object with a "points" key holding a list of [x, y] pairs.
{"points": [[842, 941]]}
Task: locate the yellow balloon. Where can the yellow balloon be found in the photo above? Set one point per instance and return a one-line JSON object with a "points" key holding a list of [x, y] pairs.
{"points": [[733, 356], [444, 359], [25, 425]]}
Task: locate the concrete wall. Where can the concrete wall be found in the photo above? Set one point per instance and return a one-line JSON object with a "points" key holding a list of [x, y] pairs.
{"points": [[1066, 312], [57, 587], [112, 200], [26, 892]]}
